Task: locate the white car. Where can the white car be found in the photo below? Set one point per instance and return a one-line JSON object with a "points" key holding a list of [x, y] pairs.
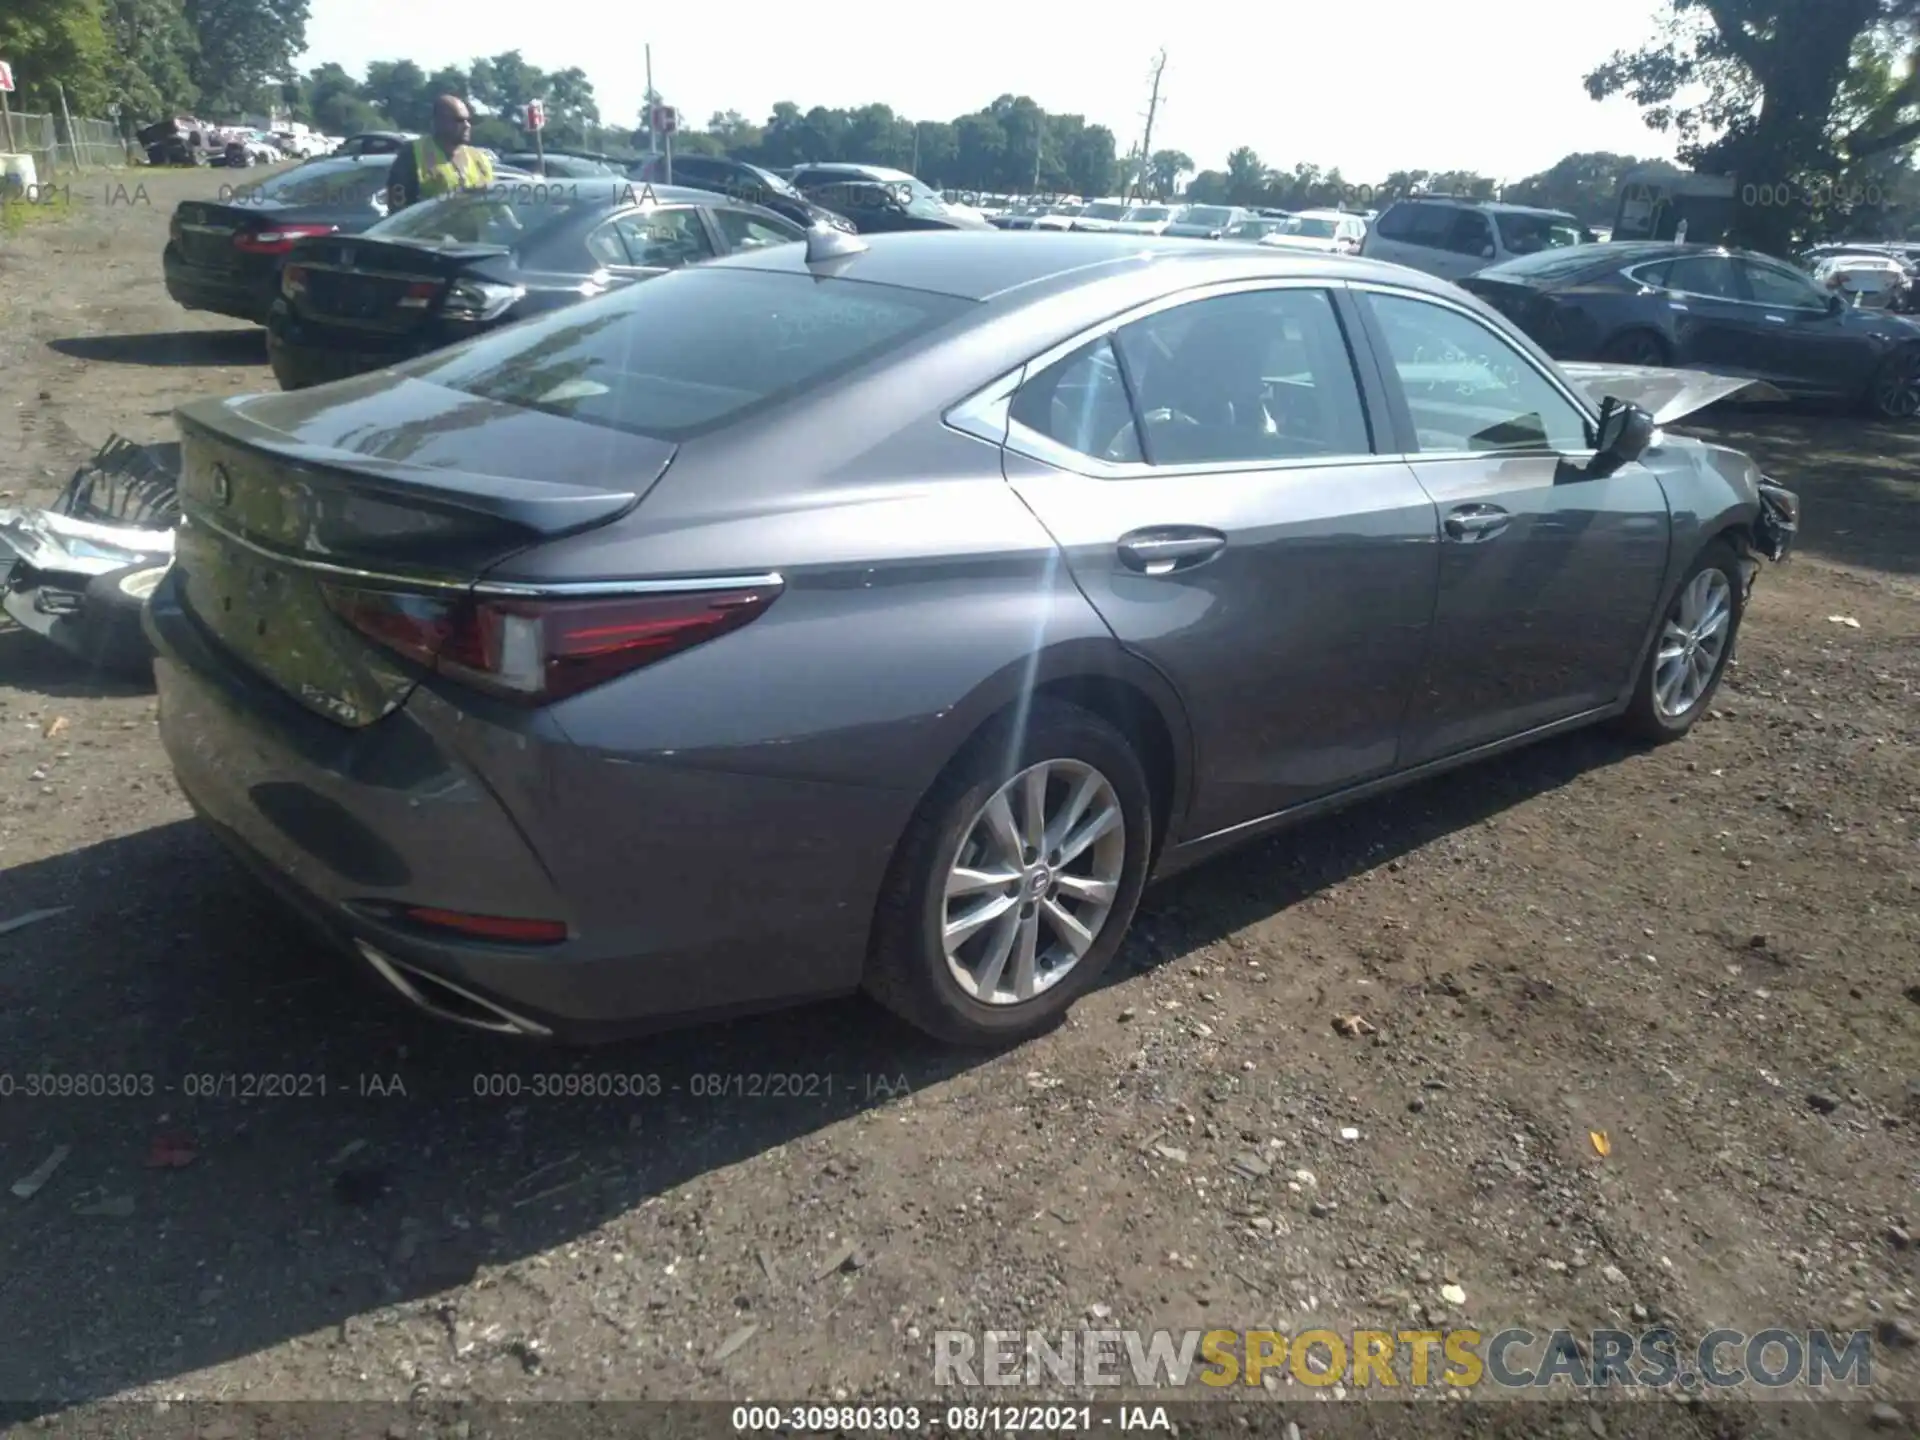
{"points": [[1332, 232], [1876, 281], [1145, 220], [1101, 215], [1058, 217]]}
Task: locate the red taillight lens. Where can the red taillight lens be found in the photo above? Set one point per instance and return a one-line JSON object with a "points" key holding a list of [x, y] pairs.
{"points": [[277, 242], [489, 927], [539, 651], [420, 295]]}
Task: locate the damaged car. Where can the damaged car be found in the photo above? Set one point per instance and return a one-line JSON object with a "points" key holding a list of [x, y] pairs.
{"points": [[885, 612], [77, 572]]}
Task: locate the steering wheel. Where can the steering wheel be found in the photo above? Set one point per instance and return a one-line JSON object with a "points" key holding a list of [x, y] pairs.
{"points": [[1117, 446]]}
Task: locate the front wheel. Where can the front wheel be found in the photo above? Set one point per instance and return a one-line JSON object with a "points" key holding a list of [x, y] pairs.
{"points": [[1692, 650], [1015, 881]]}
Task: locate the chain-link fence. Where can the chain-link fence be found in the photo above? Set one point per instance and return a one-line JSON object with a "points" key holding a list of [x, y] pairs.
{"points": [[92, 145]]}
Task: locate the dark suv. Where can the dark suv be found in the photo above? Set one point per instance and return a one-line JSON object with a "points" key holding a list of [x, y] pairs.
{"points": [[738, 180]]}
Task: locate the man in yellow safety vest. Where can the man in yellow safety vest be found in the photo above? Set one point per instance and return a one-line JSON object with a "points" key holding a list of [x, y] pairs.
{"points": [[440, 163]]}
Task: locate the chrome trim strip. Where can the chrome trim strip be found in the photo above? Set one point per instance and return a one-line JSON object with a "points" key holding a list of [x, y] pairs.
{"points": [[372, 274], [504, 590], [391, 971]]}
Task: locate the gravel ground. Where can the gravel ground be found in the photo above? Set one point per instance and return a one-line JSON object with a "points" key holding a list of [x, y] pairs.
{"points": [[1708, 955]]}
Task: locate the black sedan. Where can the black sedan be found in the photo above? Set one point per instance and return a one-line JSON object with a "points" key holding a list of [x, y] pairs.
{"points": [[877, 199], [739, 181], [225, 255], [449, 269], [1705, 308], [558, 165]]}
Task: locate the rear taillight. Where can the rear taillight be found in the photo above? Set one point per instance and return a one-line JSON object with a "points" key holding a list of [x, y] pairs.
{"points": [[419, 295], [488, 927], [536, 651], [277, 242]]}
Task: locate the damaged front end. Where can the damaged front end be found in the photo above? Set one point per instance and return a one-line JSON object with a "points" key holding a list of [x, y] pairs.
{"points": [[77, 572]]}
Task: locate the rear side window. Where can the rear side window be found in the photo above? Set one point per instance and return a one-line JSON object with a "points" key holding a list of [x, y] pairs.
{"points": [[1081, 402], [691, 350], [665, 239], [746, 231], [1709, 275], [1470, 234], [1419, 224]]}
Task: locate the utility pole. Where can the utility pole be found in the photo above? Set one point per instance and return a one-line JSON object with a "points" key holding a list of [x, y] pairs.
{"points": [[1153, 105]]}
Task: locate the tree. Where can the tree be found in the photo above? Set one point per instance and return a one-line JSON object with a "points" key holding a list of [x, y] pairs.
{"points": [[1246, 177], [1165, 168], [243, 46], [1751, 88], [153, 48], [58, 43]]}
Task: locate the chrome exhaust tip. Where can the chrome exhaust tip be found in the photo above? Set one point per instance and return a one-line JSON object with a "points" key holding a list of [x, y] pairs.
{"points": [[461, 1007]]}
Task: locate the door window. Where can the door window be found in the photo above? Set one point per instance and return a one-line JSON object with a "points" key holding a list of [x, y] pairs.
{"points": [[1468, 388], [606, 247], [1081, 402], [1471, 234], [1707, 275], [754, 232], [1424, 224], [1259, 376], [664, 239], [1772, 285]]}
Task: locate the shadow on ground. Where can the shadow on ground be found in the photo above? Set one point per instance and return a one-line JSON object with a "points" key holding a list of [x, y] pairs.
{"points": [[330, 1126], [39, 667], [1858, 479], [175, 347]]}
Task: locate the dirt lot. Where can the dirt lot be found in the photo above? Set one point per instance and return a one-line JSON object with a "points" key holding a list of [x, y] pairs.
{"points": [[1710, 955]]}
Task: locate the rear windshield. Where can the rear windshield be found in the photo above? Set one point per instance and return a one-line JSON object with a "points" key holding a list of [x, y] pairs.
{"points": [[1555, 264], [502, 214], [689, 351], [1153, 213], [1312, 229], [347, 182], [1530, 234], [1104, 212], [1205, 215]]}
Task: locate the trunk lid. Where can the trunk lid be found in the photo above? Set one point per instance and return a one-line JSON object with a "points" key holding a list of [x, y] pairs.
{"points": [[423, 486], [204, 231], [390, 286]]}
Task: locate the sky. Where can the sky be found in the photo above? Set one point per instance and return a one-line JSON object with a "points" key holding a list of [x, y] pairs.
{"points": [[1492, 86]]}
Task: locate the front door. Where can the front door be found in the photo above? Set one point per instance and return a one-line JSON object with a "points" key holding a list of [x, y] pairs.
{"points": [[1548, 578], [1210, 475], [1801, 340]]}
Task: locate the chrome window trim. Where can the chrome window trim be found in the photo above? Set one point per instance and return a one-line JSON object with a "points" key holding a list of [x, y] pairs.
{"points": [[1732, 260], [380, 579], [987, 413]]}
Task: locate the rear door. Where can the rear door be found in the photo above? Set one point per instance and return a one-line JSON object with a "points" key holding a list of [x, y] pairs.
{"points": [[1711, 321], [1209, 472], [1468, 246], [1548, 579]]}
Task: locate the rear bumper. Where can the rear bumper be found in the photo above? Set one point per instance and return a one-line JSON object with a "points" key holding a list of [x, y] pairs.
{"points": [[687, 893], [242, 297]]}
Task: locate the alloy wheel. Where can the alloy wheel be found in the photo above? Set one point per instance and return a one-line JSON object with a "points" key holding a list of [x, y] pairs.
{"points": [[1896, 394], [1033, 882], [1692, 642]]}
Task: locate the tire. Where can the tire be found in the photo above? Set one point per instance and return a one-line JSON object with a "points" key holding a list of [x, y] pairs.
{"points": [[1895, 391], [1637, 347], [110, 615], [908, 970], [1653, 718]]}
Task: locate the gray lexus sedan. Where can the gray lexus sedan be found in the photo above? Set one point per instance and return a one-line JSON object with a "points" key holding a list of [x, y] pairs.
{"points": [[883, 613]]}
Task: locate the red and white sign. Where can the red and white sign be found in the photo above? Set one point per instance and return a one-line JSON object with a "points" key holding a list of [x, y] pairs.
{"points": [[6, 76], [536, 115], [664, 120]]}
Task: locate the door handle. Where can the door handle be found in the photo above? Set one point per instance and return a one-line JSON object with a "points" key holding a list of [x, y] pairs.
{"points": [[1476, 522], [1161, 552]]}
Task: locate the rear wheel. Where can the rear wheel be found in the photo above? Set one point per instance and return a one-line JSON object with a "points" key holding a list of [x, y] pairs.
{"points": [[1692, 650], [1895, 394], [1637, 347], [1015, 881], [110, 617]]}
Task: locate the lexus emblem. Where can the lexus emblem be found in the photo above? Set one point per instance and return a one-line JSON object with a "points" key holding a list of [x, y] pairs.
{"points": [[222, 486]]}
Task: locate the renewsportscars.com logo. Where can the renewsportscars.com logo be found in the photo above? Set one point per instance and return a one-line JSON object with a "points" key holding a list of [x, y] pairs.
{"points": [[1460, 1359]]}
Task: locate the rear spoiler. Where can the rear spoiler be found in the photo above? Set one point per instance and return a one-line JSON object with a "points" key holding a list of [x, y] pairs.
{"points": [[544, 508], [1668, 395]]}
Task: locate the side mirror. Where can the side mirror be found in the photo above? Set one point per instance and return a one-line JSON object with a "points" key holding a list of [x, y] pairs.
{"points": [[1625, 432]]}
